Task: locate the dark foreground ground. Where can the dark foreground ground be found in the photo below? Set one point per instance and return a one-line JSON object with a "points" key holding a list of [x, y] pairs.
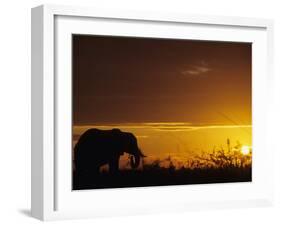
{"points": [[162, 177]]}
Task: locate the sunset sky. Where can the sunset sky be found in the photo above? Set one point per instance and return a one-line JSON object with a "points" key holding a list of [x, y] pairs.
{"points": [[177, 96]]}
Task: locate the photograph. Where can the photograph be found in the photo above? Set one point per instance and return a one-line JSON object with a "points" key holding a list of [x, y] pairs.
{"points": [[152, 111]]}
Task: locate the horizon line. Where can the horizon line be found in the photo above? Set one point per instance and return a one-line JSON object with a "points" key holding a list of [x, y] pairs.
{"points": [[164, 126]]}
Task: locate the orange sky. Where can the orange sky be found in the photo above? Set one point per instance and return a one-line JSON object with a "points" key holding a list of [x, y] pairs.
{"points": [[177, 96], [180, 141]]}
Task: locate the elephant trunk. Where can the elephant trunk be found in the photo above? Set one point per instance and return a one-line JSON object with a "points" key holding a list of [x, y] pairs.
{"points": [[135, 159]]}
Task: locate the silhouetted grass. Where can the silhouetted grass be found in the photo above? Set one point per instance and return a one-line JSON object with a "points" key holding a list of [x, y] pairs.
{"points": [[164, 176], [219, 166]]}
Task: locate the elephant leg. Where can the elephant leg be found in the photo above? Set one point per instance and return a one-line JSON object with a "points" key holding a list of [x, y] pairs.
{"points": [[114, 165], [95, 171], [82, 179]]}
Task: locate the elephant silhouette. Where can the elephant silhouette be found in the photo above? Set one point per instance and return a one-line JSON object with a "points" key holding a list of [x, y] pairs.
{"points": [[96, 148]]}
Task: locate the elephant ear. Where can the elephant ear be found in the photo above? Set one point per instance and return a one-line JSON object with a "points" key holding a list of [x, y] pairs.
{"points": [[119, 139]]}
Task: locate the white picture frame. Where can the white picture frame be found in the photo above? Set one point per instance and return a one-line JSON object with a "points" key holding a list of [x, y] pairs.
{"points": [[52, 197]]}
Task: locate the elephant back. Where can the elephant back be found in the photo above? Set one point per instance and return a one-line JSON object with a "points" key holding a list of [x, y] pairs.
{"points": [[95, 144]]}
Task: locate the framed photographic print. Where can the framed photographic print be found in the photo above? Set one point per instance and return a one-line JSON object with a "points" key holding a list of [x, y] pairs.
{"points": [[136, 112]]}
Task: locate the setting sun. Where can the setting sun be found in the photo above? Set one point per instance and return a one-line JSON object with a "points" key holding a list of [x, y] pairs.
{"points": [[245, 150]]}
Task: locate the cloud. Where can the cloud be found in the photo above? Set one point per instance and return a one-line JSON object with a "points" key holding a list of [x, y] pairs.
{"points": [[196, 69], [160, 126]]}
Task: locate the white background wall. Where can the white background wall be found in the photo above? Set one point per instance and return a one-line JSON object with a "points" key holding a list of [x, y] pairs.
{"points": [[15, 112]]}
